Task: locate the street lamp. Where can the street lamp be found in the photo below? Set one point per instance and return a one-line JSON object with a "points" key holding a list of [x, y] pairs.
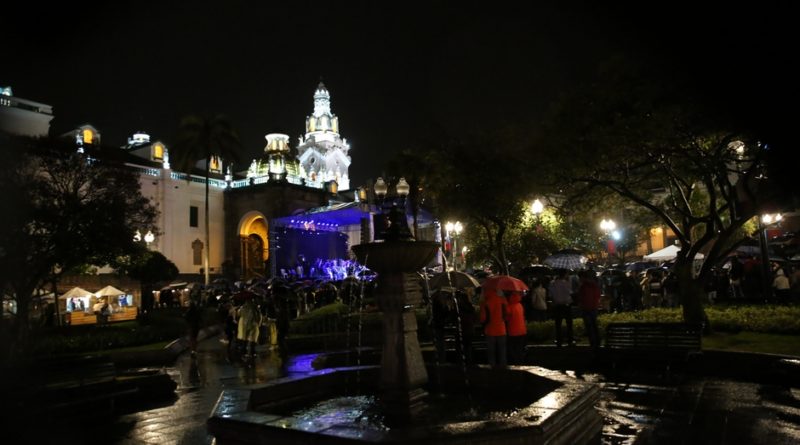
{"points": [[608, 226], [537, 208], [454, 229], [764, 222], [392, 212]]}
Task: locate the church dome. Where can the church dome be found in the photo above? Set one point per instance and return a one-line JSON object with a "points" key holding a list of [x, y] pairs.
{"points": [[322, 119]]}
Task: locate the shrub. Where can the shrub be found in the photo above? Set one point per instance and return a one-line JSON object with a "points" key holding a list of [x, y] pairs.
{"points": [[161, 325]]}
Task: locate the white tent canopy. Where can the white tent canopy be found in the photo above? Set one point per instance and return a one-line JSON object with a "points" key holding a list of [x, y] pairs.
{"points": [[109, 291], [668, 253], [76, 292]]}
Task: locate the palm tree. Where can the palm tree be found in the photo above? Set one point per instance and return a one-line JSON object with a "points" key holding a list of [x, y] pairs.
{"points": [[200, 138]]}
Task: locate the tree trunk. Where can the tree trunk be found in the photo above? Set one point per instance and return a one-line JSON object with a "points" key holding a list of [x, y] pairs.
{"points": [[206, 254], [55, 301], [691, 293], [501, 251], [21, 325]]}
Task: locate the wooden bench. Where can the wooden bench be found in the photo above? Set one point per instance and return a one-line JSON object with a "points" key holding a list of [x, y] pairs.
{"points": [[652, 342]]}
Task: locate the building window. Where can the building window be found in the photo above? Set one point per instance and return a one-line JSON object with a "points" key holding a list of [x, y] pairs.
{"points": [[158, 152], [88, 136], [215, 166], [197, 252], [193, 216]]}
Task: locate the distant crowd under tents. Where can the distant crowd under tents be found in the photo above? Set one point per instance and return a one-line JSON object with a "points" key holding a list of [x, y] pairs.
{"points": [[106, 305]]}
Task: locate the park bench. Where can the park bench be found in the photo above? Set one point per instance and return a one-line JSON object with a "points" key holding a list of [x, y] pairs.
{"points": [[73, 384], [642, 343]]}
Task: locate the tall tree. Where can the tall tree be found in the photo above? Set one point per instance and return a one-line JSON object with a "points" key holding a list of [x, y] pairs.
{"points": [[67, 210], [200, 138], [648, 141], [486, 181]]}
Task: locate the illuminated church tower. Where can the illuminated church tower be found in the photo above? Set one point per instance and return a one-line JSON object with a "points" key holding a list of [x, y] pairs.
{"points": [[322, 153]]}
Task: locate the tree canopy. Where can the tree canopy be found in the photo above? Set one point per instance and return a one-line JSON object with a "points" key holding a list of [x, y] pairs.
{"points": [[649, 140], [67, 209]]}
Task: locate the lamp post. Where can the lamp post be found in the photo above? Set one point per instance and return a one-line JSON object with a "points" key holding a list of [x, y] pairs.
{"points": [[608, 226], [537, 208], [764, 222], [453, 230], [393, 211]]}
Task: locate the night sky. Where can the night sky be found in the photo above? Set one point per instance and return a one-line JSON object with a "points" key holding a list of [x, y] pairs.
{"points": [[396, 71]]}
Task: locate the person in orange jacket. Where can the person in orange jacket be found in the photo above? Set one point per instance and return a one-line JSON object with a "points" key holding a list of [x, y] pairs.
{"points": [[493, 314], [517, 329]]}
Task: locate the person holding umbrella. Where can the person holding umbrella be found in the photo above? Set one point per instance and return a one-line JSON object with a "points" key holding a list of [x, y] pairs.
{"points": [[249, 324], [493, 313], [561, 293], [589, 303]]}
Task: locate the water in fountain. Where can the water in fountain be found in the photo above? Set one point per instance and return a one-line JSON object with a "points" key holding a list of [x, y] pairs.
{"points": [[530, 405]]}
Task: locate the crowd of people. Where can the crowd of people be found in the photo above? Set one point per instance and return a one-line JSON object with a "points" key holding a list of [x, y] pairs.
{"points": [[560, 296], [261, 314], [503, 316], [740, 279]]}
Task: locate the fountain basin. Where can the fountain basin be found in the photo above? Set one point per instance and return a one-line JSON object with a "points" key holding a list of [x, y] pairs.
{"points": [[396, 256], [521, 405]]}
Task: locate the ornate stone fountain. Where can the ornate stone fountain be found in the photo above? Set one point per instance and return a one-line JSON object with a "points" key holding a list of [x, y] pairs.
{"points": [[403, 371], [478, 405]]}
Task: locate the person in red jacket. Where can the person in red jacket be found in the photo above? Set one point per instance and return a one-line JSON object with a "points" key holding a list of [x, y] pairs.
{"points": [[589, 303], [493, 314], [516, 328]]}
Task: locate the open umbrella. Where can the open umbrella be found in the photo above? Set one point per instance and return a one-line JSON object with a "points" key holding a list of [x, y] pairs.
{"points": [[244, 295], [505, 283], [565, 260], [458, 280]]}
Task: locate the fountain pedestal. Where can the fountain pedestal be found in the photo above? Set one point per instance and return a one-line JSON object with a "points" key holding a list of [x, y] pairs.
{"points": [[402, 367]]}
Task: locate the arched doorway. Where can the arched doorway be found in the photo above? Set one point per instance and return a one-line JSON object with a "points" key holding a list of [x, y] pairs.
{"points": [[254, 245]]}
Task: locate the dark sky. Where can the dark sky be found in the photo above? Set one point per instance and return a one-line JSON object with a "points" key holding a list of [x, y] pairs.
{"points": [[395, 70]]}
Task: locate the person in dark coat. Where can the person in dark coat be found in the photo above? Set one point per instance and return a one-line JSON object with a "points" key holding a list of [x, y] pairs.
{"points": [[589, 303], [193, 319], [443, 306], [466, 315]]}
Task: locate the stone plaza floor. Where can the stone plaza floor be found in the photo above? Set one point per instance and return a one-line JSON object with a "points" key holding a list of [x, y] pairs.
{"points": [[645, 410]]}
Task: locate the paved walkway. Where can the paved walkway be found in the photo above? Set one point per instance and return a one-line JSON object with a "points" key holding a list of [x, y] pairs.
{"points": [[200, 380], [692, 410]]}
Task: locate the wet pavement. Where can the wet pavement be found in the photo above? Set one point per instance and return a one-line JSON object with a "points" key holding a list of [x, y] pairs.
{"points": [[640, 410], [200, 380], [693, 410]]}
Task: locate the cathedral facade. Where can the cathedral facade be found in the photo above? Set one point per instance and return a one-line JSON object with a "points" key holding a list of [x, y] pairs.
{"points": [[244, 207]]}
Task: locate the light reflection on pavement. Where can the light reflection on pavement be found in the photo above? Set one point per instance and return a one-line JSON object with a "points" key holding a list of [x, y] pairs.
{"points": [[693, 410], [200, 381]]}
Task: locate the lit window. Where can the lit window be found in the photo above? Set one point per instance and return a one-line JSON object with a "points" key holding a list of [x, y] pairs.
{"points": [[158, 152], [88, 136], [215, 165]]}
